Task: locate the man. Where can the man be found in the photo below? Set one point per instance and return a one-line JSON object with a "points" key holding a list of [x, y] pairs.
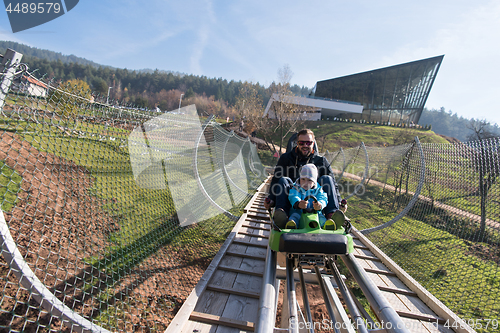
{"points": [[287, 170]]}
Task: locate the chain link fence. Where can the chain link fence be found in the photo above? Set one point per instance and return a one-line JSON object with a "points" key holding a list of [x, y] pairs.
{"points": [[110, 215], [446, 233]]}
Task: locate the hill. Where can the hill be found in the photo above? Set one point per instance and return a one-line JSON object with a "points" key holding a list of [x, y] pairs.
{"points": [[148, 88], [142, 88], [45, 54], [332, 136], [451, 125]]}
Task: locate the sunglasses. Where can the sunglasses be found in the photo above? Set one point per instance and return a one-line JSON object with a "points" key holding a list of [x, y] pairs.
{"points": [[304, 143]]}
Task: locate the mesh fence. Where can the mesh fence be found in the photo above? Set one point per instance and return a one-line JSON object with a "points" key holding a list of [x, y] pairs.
{"points": [[110, 214], [448, 235]]}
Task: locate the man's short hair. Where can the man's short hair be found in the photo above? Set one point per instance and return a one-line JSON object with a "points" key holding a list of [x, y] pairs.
{"points": [[305, 131]]}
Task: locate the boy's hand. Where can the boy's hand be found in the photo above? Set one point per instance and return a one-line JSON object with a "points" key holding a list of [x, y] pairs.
{"points": [[343, 205], [302, 204], [317, 205]]}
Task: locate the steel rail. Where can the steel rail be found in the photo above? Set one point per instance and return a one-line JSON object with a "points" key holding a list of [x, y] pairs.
{"points": [[293, 323], [305, 299], [413, 199], [327, 301], [345, 325], [268, 300], [346, 295], [379, 304]]}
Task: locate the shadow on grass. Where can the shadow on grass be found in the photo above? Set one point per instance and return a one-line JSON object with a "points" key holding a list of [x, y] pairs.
{"points": [[121, 263], [104, 273], [469, 195], [102, 280], [462, 227]]}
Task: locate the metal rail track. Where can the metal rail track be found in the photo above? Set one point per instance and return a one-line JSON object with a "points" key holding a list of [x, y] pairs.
{"points": [[238, 292]]}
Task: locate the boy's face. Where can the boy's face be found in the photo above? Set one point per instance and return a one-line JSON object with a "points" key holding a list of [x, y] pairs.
{"points": [[306, 183]]}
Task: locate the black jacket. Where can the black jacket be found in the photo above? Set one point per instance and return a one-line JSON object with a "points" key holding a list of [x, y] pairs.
{"points": [[290, 163]]}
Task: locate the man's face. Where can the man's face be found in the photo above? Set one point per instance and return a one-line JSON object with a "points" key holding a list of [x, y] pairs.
{"points": [[305, 144]]}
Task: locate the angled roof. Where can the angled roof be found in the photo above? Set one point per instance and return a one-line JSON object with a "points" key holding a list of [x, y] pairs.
{"points": [[34, 81], [387, 93]]}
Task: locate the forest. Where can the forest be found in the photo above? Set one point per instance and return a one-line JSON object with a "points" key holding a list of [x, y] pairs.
{"points": [[161, 89], [450, 124], [141, 88]]}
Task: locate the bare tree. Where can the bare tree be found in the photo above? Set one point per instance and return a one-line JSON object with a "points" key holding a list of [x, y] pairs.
{"points": [[248, 102], [284, 118], [485, 161], [248, 106], [283, 110], [480, 130]]}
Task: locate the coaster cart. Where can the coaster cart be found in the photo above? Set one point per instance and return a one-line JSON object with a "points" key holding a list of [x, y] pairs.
{"points": [[311, 248]]}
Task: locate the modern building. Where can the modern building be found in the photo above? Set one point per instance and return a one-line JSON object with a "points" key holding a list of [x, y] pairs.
{"points": [[311, 108], [395, 94]]}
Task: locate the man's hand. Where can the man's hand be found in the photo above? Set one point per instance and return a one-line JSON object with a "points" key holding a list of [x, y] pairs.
{"points": [[268, 203], [302, 204], [317, 205]]}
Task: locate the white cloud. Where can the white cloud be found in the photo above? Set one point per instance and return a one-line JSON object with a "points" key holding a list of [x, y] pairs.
{"points": [[319, 40], [203, 34]]}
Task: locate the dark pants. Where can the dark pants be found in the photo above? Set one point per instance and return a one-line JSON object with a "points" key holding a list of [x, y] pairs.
{"points": [[326, 182]]}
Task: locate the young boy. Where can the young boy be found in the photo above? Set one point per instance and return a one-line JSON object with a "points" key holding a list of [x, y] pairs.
{"points": [[305, 186]]}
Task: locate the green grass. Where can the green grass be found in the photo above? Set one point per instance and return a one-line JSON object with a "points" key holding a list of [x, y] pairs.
{"points": [[147, 218], [449, 178], [138, 210], [267, 158], [332, 135], [10, 186], [439, 250], [441, 263], [439, 259]]}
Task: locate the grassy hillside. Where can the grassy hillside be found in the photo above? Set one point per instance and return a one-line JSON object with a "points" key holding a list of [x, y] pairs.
{"points": [[335, 135], [332, 136], [148, 224], [410, 240]]}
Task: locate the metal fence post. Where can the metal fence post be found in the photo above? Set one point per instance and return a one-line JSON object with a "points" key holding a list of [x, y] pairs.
{"points": [[7, 71]]}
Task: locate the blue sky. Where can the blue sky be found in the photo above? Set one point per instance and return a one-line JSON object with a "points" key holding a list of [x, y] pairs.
{"points": [[251, 40]]}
